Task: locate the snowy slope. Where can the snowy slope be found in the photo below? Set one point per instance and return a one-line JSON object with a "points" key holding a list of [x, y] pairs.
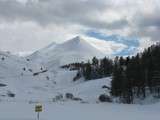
{"points": [[17, 73], [90, 90], [9, 64], [14, 65]]}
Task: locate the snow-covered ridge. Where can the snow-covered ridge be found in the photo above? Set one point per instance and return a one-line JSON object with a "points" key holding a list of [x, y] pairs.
{"points": [[73, 50]]}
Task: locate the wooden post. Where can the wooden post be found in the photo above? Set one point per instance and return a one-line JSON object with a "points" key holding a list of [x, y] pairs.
{"points": [[38, 115]]}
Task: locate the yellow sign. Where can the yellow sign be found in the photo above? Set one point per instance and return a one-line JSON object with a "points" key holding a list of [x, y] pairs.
{"points": [[38, 108]]}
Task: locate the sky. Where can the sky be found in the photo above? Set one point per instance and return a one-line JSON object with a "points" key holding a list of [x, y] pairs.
{"points": [[117, 27]]}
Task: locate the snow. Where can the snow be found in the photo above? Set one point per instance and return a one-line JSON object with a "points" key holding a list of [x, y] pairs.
{"points": [[30, 89], [77, 111], [89, 91], [74, 50]]}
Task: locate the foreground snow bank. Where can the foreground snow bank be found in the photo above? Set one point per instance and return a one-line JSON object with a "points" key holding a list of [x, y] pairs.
{"points": [[89, 91], [76, 111]]}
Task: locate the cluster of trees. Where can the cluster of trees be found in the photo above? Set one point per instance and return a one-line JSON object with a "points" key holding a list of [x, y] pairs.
{"points": [[73, 66], [137, 76], [97, 68]]}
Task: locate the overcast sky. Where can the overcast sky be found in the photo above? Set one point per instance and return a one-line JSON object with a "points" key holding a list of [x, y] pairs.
{"points": [[126, 25]]}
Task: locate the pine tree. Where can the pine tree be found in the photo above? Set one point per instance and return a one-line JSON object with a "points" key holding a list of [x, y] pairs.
{"points": [[88, 71]]}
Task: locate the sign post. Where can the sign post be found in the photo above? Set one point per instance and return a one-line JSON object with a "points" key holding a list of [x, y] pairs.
{"points": [[38, 109]]}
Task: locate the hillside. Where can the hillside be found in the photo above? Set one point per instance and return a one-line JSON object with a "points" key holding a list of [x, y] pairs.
{"points": [[39, 76]]}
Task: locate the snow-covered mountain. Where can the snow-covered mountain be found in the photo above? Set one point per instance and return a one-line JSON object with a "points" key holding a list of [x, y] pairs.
{"points": [[39, 76], [73, 50]]}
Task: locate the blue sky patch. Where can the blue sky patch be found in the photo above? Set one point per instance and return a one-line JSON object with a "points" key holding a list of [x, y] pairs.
{"points": [[132, 43]]}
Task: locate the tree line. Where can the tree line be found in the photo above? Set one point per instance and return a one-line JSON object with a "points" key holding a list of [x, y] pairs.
{"points": [[137, 76], [94, 69]]}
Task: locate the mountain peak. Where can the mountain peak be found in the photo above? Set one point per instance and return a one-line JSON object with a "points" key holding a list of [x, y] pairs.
{"points": [[73, 50], [78, 39]]}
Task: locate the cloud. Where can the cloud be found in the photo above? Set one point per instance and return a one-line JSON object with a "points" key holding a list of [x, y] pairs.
{"points": [[45, 12], [28, 36], [144, 43], [107, 47], [41, 21], [49, 11], [148, 26]]}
